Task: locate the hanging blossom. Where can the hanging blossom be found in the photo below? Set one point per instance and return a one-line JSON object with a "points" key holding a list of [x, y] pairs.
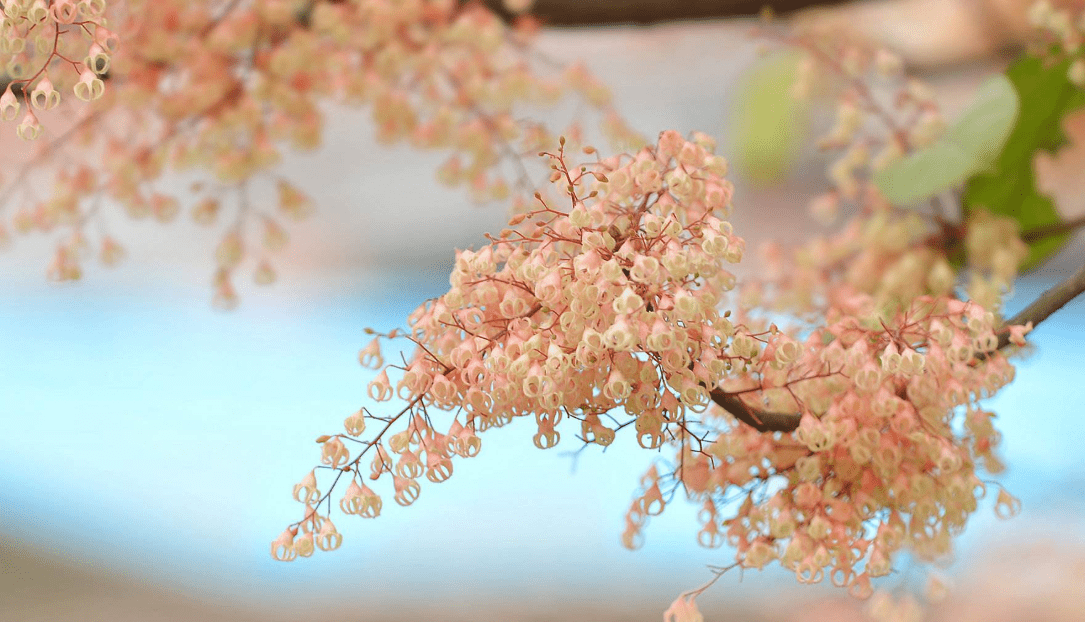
{"points": [[605, 311], [604, 305], [223, 89]]}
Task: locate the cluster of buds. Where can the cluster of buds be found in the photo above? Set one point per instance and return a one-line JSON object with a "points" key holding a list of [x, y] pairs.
{"points": [[39, 41]]}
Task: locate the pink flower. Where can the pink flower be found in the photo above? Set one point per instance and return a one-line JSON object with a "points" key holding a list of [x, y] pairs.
{"points": [[1017, 333], [683, 609]]}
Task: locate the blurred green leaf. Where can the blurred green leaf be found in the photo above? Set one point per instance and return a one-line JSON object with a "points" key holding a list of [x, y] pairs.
{"points": [[969, 146], [983, 129], [1009, 188], [925, 173], [768, 123]]}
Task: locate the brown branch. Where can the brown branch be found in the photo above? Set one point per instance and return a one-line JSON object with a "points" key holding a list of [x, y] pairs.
{"points": [[1048, 303], [756, 419], [1038, 233], [573, 13]]}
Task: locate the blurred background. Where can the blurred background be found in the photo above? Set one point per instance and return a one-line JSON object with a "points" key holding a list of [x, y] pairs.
{"points": [[150, 443]]}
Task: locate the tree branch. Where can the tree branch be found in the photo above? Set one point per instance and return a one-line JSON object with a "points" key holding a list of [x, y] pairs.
{"points": [[1038, 233], [1048, 303], [612, 12], [758, 420]]}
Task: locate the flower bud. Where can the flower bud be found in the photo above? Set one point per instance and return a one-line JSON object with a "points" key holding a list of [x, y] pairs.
{"points": [[282, 548], [334, 453], [306, 491], [9, 105], [90, 87], [29, 128], [328, 539], [65, 11], [97, 59]]}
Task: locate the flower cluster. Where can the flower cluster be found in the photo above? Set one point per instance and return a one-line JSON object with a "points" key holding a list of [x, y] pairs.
{"points": [[606, 305], [886, 454], [47, 48], [224, 90]]}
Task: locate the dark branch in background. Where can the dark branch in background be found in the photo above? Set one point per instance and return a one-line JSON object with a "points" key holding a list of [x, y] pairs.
{"points": [[1039, 233], [1049, 302], [613, 12]]}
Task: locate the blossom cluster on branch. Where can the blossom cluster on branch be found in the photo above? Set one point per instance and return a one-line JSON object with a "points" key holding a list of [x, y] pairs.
{"points": [[854, 432], [606, 302], [606, 310], [222, 89]]}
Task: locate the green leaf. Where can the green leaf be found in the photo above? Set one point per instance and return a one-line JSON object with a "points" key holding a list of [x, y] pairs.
{"points": [[925, 173], [984, 128], [1009, 188], [969, 146], [768, 123]]}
